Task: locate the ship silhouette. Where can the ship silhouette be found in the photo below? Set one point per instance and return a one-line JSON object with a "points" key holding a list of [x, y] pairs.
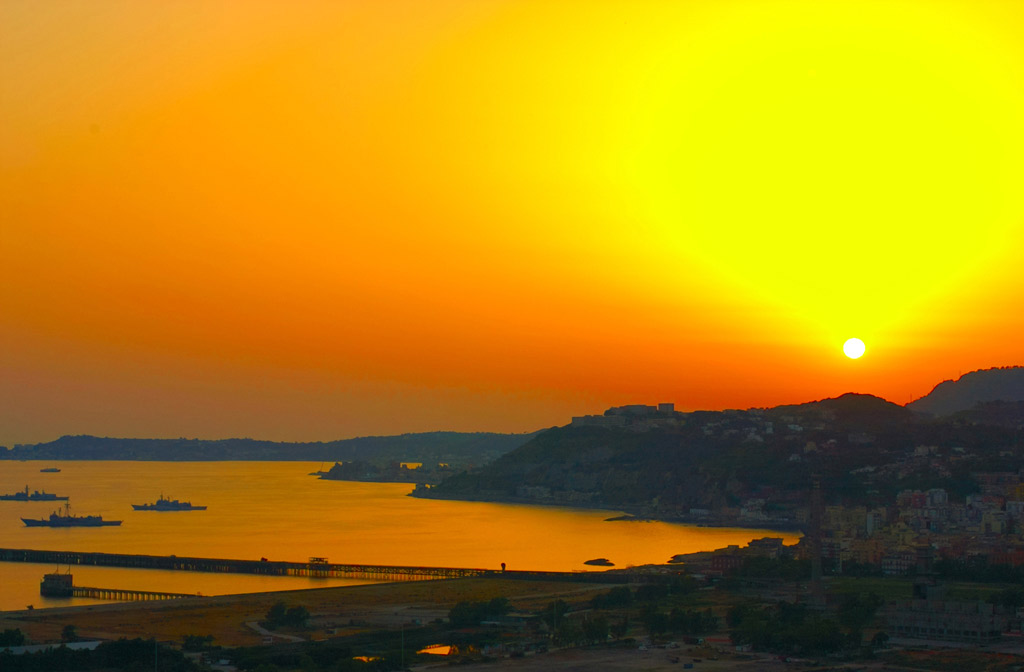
{"points": [[164, 504], [58, 519]]}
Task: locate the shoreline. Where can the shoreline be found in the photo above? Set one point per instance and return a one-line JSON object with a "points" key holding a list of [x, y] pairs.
{"points": [[626, 514]]}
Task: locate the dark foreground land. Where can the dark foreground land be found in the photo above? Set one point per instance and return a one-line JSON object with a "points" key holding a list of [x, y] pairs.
{"points": [[333, 611], [651, 622]]}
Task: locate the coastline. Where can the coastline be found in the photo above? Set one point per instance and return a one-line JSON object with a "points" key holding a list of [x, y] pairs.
{"points": [[626, 514]]}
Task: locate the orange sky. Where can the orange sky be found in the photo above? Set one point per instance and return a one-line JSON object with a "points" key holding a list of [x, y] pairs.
{"points": [[309, 221]]}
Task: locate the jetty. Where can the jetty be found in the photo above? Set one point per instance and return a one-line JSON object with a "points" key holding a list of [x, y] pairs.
{"points": [[123, 595], [60, 584], [317, 567]]}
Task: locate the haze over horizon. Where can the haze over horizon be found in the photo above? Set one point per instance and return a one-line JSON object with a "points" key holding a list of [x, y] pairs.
{"points": [[326, 220], [525, 431]]}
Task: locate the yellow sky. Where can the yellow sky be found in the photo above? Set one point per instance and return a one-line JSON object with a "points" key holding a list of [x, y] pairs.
{"points": [[318, 220]]}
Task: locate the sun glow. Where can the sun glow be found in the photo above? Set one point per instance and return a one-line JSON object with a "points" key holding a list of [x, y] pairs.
{"points": [[797, 122], [854, 348], [500, 213]]}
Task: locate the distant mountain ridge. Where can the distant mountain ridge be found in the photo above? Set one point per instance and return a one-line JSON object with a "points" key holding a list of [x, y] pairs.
{"points": [[427, 447], [1004, 384]]}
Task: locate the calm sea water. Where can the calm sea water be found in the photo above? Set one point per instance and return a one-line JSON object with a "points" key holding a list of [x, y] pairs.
{"points": [[276, 510]]}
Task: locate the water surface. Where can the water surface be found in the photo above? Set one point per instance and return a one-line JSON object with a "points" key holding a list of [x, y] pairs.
{"points": [[277, 511]]}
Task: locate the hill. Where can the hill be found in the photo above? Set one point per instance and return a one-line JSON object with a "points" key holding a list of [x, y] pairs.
{"points": [[430, 448], [971, 389], [750, 467]]}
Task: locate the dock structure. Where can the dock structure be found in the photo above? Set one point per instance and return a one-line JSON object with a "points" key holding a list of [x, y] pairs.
{"points": [[316, 567], [122, 595], [62, 584]]}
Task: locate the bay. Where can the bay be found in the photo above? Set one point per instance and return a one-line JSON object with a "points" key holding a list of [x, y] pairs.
{"points": [[278, 511]]}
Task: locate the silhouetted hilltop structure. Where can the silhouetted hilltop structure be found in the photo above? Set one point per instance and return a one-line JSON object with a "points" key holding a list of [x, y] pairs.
{"points": [[430, 447], [971, 389]]}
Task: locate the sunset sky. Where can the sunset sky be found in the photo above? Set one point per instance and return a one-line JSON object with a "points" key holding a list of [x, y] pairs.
{"points": [[311, 221]]}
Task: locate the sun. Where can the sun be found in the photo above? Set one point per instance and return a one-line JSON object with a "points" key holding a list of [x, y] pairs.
{"points": [[854, 348]]}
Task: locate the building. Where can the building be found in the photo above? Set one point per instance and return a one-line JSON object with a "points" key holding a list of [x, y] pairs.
{"points": [[976, 622], [898, 562], [599, 421], [768, 547]]}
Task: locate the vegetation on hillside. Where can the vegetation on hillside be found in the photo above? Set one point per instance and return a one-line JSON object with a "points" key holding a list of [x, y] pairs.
{"points": [[863, 449], [971, 389]]}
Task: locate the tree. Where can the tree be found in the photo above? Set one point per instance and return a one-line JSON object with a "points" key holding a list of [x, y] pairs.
{"points": [[469, 614], [855, 612], [683, 585], [267, 667], [737, 613], [569, 632], [620, 629], [690, 622], [465, 615], [819, 635], [1012, 599], [650, 592], [296, 616], [12, 637], [655, 621], [498, 606], [69, 633], [196, 642], [281, 614], [753, 627], [553, 613], [595, 629], [620, 596], [276, 614]]}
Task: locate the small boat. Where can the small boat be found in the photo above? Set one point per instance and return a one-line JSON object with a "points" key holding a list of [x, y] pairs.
{"points": [[164, 504], [36, 496], [49, 470], [65, 519]]}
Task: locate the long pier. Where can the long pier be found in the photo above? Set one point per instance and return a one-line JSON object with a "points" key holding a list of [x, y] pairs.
{"points": [[318, 569], [122, 595]]}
